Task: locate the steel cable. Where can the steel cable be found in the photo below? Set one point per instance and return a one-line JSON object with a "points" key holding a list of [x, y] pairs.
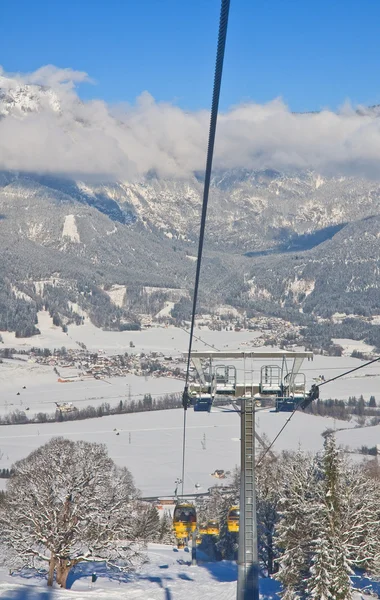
{"points": [[222, 35], [370, 362]]}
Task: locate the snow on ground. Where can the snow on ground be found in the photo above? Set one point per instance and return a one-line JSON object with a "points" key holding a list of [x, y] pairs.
{"points": [[168, 575], [50, 337], [150, 444], [361, 436], [350, 345], [43, 389], [70, 229], [164, 312], [174, 341], [117, 294], [165, 339]]}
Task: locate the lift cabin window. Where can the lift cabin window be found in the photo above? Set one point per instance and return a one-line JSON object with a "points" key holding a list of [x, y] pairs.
{"points": [[234, 514], [185, 515]]}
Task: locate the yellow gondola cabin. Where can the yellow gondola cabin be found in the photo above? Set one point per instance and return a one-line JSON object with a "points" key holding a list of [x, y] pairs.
{"points": [[184, 520], [213, 528], [233, 519]]}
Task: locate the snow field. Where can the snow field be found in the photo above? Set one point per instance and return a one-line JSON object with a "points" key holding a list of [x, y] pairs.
{"points": [[160, 338], [174, 341], [43, 389], [150, 444], [70, 229], [167, 576]]}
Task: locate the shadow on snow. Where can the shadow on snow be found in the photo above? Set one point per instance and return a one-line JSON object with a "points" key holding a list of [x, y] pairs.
{"points": [[28, 593], [223, 571]]}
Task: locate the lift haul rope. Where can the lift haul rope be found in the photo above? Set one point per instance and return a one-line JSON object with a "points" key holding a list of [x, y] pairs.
{"points": [[314, 392], [305, 402], [196, 337], [223, 22]]}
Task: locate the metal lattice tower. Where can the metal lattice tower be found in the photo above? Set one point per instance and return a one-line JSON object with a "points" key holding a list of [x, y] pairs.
{"points": [[248, 571], [248, 576]]}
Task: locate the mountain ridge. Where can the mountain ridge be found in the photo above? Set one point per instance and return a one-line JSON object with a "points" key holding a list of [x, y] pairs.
{"points": [[271, 236]]}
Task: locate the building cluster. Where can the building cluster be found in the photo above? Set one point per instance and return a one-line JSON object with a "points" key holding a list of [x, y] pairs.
{"points": [[99, 365], [273, 330]]}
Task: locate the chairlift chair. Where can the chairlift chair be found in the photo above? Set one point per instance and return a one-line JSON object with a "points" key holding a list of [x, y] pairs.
{"points": [[225, 380]]}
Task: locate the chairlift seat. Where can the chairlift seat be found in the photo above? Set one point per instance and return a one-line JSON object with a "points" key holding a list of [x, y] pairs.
{"points": [[270, 388], [225, 389]]}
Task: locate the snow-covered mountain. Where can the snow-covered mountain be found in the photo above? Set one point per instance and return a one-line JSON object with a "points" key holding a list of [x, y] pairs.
{"points": [[23, 99], [288, 238]]}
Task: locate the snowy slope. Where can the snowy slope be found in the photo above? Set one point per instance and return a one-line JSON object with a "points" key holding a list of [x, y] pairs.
{"points": [[167, 576], [150, 444]]}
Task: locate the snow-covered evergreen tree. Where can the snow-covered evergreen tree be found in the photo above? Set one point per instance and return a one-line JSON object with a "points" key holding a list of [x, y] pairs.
{"points": [[330, 571], [360, 499], [334, 488], [165, 534], [319, 583], [146, 522], [294, 532], [268, 492]]}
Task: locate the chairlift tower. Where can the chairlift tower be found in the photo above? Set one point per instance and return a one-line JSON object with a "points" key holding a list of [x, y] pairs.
{"points": [[248, 563]]}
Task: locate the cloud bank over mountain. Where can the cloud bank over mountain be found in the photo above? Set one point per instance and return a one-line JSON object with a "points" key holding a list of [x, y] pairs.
{"points": [[45, 127]]}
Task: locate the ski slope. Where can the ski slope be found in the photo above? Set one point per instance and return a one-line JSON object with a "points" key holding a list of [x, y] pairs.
{"points": [[167, 576]]}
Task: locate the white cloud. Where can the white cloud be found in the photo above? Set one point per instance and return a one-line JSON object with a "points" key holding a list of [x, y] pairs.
{"points": [[48, 129]]}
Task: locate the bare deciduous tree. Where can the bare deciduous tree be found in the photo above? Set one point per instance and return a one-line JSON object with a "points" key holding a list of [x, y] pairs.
{"points": [[67, 502]]}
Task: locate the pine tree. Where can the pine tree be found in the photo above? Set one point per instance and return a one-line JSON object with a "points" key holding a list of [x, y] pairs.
{"points": [[360, 409], [319, 583], [166, 535], [360, 498], [330, 571], [147, 523], [293, 531], [268, 493]]}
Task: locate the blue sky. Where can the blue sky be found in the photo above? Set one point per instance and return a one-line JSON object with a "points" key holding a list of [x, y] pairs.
{"points": [[314, 54]]}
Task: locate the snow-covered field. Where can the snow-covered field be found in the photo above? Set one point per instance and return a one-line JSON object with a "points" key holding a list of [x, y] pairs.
{"points": [[43, 389], [356, 438], [150, 444], [160, 338], [167, 576], [174, 341], [350, 345]]}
